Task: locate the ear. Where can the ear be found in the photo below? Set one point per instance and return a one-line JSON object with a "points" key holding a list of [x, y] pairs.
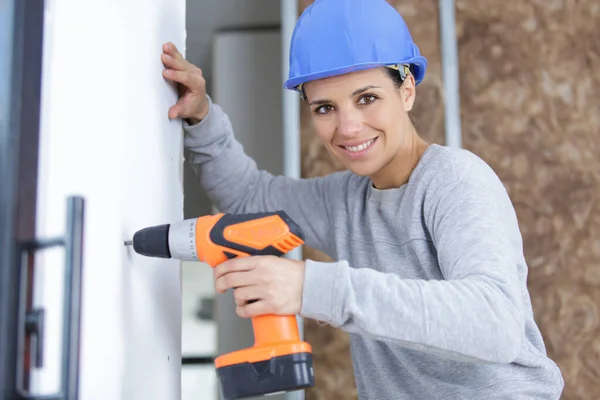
{"points": [[409, 91]]}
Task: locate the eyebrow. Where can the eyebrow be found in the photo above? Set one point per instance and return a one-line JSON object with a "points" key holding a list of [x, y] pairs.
{"points": [[364, 89], [357, 91]]}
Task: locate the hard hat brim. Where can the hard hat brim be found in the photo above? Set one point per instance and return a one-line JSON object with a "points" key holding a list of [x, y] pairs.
{"points": [[419, 64]]}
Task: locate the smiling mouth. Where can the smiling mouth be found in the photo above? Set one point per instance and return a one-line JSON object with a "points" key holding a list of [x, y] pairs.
{"points": [[360, 147]]}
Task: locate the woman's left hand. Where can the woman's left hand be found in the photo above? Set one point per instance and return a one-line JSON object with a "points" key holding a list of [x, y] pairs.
{"points": [[262, 284]]}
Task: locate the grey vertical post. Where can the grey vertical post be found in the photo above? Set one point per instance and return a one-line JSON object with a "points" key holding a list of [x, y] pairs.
{"points": [[291, 128], [453, 135]]}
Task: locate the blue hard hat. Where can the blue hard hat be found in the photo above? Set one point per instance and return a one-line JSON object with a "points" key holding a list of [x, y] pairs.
{"points": [[334, 37]]}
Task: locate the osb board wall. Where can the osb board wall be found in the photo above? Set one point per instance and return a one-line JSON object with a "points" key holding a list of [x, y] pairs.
{"points": [[529, 96], [529, 77]]}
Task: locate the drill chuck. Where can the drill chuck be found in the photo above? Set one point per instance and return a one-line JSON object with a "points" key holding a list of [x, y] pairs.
{"points": [[152, 241], [176, 240]]}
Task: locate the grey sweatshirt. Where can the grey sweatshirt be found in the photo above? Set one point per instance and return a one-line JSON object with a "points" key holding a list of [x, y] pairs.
{"points": [[429, 278]]}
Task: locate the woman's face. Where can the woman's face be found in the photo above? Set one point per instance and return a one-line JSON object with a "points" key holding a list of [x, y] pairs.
{"points": [[362, 117]]}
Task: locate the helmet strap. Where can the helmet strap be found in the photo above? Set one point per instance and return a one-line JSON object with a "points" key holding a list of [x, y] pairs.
{"points": [[403, 69]]}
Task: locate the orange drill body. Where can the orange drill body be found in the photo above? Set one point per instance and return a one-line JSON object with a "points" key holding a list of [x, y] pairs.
{"points": [[279, 360], [221, 237]]}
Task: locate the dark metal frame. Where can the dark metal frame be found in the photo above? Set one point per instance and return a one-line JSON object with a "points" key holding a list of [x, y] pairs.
{"points": [[11, 99], [21, 25]]}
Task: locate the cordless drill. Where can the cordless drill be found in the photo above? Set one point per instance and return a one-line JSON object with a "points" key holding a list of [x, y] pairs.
{"points": [[278, 361]]}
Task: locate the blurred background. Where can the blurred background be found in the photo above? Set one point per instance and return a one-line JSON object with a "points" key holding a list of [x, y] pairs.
{"points": [[529, 73]]}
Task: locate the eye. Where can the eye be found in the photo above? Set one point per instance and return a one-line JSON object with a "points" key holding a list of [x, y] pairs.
{"points": [[323, 109], [367, 99]]}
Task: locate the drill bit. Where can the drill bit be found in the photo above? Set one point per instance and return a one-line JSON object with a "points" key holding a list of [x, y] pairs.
{"points": [[129, 243]]}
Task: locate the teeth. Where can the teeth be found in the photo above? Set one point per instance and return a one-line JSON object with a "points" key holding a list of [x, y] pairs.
{"points": [[360, 147]]}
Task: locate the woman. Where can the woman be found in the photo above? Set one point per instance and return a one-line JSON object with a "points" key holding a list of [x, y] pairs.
{"points": [[430, 277]]}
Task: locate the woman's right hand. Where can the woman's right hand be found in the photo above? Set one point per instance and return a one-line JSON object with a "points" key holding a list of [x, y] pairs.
{"points": [[192, 104]]}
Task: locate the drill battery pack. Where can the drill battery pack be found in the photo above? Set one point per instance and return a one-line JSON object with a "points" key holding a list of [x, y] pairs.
{"points": [[277, 375]]}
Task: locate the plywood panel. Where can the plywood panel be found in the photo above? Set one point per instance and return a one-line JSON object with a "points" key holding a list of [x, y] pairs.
{"points": [[333, 365], [529, 78], [105, 135]]}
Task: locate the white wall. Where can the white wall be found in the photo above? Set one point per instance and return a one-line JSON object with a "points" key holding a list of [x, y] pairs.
{"points": [[105, 135], [103, 96]]}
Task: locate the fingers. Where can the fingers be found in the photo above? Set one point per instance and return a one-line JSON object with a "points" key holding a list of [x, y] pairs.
{"points": [[178, 69], [246, 294], [183, 77], [235, 265], [190, 78], [173, 63], [253, 309], [235, 280], [170, 49], [192, 104], [175, 111], [262, 284]]}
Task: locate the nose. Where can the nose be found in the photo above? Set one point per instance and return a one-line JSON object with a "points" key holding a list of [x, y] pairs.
{"points": [[350, 123]]}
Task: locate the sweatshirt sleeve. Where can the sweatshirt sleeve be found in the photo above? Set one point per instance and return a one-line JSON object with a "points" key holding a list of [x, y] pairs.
{"points": [[474, 314], [234, 184]]}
